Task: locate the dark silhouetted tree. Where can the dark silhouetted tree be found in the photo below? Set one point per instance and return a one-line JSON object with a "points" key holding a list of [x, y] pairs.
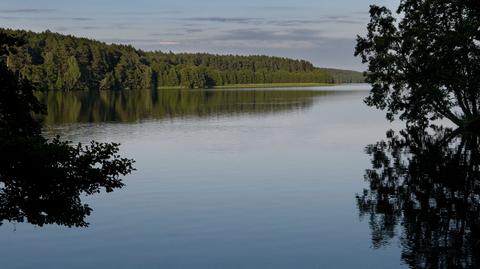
{"points": [[41, 181], [426, 66]]}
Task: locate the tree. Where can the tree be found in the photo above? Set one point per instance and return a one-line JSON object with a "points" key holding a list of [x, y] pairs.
{"points": [[73, 73], [426, 66], [51, 71], [41, 181], [172, 78], [17, 102], [108, 82]]}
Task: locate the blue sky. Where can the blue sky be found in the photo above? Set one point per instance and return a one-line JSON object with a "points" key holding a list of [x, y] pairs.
{"points": [[321, 31]]}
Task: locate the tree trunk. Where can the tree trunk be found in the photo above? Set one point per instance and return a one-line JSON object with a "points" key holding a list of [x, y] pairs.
{"points": [[473, 125]]}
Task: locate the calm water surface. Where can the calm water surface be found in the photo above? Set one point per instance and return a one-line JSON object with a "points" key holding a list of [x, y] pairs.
{"points": [[225, 179]]}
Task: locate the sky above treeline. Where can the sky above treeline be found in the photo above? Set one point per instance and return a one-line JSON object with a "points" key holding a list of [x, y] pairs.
{"points": [[320, 31]]}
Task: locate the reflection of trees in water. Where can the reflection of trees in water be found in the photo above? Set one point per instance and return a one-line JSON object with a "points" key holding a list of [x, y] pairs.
{"points": [[128, 106], [429, 186]]}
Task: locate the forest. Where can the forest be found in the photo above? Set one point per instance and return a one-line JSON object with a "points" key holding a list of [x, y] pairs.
{"points": [[54, 61]]}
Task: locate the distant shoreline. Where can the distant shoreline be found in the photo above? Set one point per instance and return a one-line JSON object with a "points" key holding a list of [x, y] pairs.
{"points": [[263, 85]]}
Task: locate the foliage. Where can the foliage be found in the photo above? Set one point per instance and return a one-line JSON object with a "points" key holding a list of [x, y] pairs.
{"points": [[426, 66], [62, 62], [17, 102], [41, 181]]}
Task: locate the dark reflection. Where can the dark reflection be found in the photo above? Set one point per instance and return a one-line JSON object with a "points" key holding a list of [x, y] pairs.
{"points": [[130, 106], [426, 187]]}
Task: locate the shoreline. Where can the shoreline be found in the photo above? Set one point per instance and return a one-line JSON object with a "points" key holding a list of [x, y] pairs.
{"points": [[260, 85]]}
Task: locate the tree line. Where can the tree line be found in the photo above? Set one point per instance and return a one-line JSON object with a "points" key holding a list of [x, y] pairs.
{"points": [[54, 61]]}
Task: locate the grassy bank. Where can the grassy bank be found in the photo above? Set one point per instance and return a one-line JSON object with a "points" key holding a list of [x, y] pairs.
{"points": [[266, 85], [273, 85]]}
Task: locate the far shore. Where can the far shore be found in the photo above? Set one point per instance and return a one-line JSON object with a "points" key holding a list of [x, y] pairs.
{"points": [[263, 85]]}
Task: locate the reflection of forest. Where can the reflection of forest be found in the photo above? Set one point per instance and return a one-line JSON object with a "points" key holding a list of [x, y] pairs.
{"points": [[128, 106], [429, 186]]}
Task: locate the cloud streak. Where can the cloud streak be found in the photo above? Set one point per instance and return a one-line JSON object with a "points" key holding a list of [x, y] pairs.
{"points": [[266, 35], [26, 10], [279, 22], [140, 41], [240, 20]]}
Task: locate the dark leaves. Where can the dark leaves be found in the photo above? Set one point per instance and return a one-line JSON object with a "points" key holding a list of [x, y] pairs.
{"points": [[427, 66]]}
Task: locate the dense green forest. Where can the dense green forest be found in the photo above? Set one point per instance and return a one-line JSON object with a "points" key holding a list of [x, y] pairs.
{"points": [[62, 62]]}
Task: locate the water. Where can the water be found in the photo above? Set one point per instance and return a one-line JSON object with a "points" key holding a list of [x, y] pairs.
{"points": [[226, 179]]}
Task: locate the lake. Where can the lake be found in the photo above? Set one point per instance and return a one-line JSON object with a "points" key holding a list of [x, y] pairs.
{"points": [[244, 178]]}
